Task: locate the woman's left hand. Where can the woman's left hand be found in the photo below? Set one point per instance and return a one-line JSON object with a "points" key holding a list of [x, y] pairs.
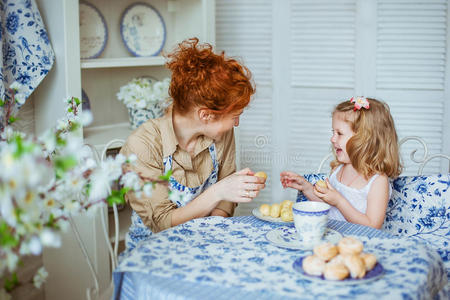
{"points": [[328, 194]]}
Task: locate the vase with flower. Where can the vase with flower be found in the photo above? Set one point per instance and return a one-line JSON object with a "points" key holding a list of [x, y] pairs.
{"points": [[145, 98]]}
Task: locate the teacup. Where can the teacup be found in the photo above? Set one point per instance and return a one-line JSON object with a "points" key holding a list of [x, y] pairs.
{"points": [[310, 219]]}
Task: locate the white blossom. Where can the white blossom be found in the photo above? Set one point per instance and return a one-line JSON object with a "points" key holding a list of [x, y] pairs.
{"points": [[148, 188], [132, 180], [40, 277], [15, 86], [33, 246], [11, 261], [49, 238], [20, 98], [86, 117], [142, 92], [132, 158]]}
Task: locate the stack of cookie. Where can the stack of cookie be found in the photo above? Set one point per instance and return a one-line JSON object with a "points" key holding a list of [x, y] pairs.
{"points": [[337, 262]]}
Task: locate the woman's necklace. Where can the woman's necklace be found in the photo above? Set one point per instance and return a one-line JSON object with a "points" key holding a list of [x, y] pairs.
{"points": [[351, 181]]}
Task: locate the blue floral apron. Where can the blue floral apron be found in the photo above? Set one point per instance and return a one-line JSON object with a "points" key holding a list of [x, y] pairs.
{"points": [[138, 231]]}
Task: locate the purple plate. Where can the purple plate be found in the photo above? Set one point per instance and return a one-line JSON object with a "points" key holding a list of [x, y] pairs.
{"points": [[373, 274]]}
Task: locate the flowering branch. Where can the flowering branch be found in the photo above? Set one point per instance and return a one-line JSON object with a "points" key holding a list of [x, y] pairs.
{"points": [[47, 179]]}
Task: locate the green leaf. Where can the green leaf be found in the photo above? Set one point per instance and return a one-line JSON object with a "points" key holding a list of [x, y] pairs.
{"points": [[7, 238], [77, 101], [12, 119], [63, 164], [11, 283], [51, 221], [123, 191], [2, 102], [21, 147], [111, 199], [74, 126], [166, 176], [60, 141]]}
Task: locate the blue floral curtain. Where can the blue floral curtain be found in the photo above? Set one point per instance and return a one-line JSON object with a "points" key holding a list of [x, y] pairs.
{"points": [[26, 50]]}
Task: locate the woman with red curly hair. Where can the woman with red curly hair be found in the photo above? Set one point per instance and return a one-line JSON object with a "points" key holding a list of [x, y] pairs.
{"points": [[194, 140]]}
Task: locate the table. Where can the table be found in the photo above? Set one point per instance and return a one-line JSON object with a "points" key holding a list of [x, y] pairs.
{"points": [[230, 258]]}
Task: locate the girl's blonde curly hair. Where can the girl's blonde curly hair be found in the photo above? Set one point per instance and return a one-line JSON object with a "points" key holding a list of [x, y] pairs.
{"points": [[373, 149]]}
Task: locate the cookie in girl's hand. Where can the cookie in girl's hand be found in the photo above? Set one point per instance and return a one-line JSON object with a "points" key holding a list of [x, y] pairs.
{"points": [[322, 184]]}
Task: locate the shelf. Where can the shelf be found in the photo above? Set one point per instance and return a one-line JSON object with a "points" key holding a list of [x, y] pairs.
{"points": [[99, 136], [122, 62], [124, 223]]}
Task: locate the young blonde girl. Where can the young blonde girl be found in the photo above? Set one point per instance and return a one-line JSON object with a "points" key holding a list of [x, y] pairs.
{"points": [[366, 155]]}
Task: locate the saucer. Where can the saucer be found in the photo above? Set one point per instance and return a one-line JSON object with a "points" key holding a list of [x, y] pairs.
{"points": [[286, 237]]}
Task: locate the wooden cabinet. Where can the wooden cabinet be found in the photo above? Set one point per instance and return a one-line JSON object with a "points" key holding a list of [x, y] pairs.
{"points": [[101, 78]]}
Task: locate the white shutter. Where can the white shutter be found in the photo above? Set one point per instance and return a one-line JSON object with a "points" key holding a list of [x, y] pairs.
{"points": [[410, 70], [243, 30], [323, 42], [322, 52]]}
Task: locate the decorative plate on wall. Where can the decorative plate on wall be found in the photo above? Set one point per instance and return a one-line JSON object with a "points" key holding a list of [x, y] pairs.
{"points": [[93, 31], [143, 30]]}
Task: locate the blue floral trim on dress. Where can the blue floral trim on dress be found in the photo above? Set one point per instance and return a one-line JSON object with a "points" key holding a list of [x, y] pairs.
{"points": [[26, 50], [138, 231]]}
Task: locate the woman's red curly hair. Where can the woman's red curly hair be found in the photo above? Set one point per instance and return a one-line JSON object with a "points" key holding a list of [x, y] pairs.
{"points": [[201, 78]]}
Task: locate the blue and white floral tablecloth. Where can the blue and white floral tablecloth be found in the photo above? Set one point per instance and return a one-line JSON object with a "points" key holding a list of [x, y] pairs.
{"points": [[230, 258]]}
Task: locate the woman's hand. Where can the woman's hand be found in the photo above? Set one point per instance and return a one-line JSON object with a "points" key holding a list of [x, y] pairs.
{"points": [[328, 195], [241, 186]]}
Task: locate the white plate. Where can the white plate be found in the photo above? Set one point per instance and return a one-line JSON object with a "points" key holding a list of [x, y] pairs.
{"points": [[374, 274], [143, 30], [93, 31], [257, 214], [286, 237]]}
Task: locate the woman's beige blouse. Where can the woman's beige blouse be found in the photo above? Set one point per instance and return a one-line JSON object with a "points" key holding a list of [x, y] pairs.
{"points": [[153, 141]]}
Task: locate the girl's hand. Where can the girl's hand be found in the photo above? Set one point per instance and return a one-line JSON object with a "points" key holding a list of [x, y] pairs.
{"points": [[328, 195], [241, 186], [295, 181]]}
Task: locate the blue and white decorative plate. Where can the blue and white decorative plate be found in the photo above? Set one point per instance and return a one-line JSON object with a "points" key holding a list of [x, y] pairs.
{"points": [[258, 215], [93, 31], [373, 274], [143, 30], [286, 237]]}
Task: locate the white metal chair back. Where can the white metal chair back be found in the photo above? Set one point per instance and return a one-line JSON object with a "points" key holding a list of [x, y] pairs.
{"points": [[113, 251], [425, 158]]}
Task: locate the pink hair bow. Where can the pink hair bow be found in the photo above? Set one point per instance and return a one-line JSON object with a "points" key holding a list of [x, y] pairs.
{"points": [[360, 102]]}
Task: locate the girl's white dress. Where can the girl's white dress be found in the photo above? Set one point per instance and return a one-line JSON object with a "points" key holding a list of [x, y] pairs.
{"points": [[356, 197]]}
